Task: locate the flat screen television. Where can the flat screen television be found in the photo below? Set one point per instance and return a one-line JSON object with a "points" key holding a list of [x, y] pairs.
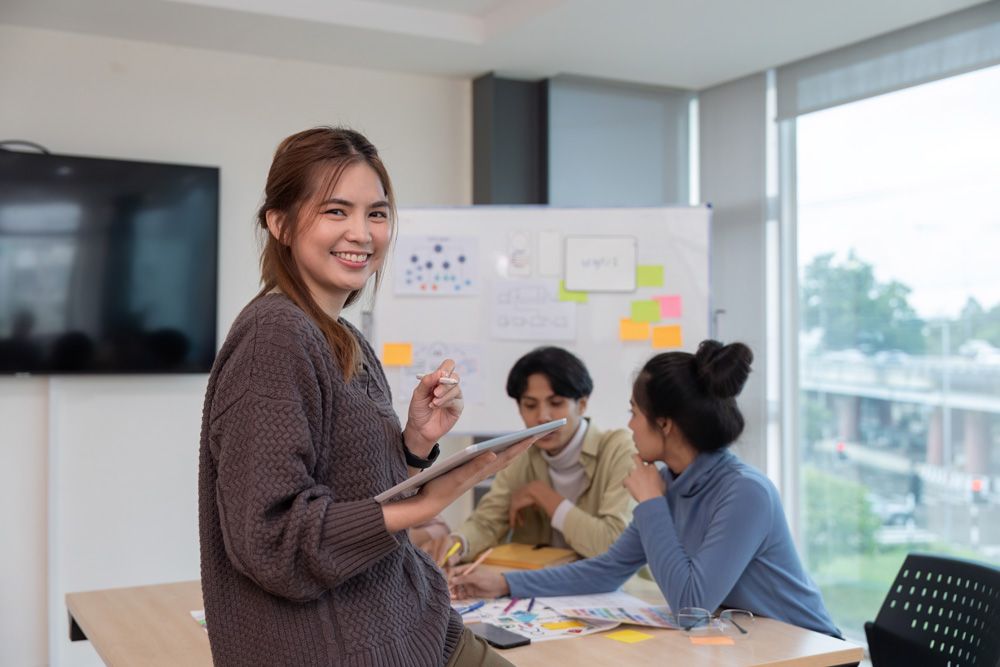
{"points": [[106, 266]]}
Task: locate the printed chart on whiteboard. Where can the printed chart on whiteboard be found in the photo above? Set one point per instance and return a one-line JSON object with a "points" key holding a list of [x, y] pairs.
{"points": [[436, 266]]}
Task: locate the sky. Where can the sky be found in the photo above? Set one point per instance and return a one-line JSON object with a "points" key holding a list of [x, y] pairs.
{"points": [[911, 181]]}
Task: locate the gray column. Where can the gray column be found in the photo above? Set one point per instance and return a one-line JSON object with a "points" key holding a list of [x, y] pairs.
{"points": [[732, 124]]}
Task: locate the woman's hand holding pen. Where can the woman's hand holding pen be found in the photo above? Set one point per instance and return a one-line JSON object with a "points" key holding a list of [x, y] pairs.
{"points": [[435, 407]]}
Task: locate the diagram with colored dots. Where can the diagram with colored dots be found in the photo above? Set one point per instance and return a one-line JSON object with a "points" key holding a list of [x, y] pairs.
{"points": [[436, 266]]}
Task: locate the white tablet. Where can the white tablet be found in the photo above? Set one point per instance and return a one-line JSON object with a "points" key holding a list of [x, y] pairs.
{"points": [[497, 445]]}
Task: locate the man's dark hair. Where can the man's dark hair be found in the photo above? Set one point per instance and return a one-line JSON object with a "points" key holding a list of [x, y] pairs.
{"points": [[566, 373]]}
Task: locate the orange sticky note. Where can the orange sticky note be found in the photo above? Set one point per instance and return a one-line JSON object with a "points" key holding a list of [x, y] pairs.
{"points": [[628, 636], [397, 354], [712, 641], [668, 336], [631, 330]]}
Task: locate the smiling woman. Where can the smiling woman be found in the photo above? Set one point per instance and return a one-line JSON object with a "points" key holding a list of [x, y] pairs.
{"points": [[329, 210], [344, 236], [300, 564]]}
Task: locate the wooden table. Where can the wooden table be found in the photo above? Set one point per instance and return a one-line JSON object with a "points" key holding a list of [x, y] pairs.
{"points": [[152, 626]]}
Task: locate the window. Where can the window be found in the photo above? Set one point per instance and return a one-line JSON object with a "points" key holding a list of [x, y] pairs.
{"points": [[898, 231]]}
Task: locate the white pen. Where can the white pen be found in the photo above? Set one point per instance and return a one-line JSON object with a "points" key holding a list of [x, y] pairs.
{"points": [[442, 380]]}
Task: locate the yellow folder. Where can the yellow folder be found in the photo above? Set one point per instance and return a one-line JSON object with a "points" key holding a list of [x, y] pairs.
{"points": [[528, 557]]}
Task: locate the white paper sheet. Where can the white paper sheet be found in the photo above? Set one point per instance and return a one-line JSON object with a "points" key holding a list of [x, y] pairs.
{"points": [[427, 356], [531, 310], [600, 263], [550, 254]]}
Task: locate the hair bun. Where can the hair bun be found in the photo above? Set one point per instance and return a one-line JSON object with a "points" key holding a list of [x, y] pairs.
{"points": [[722, 370]]}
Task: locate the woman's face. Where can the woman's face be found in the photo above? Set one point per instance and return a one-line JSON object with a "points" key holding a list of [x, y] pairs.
{"points": [[343, 238], [649, 440], [539, 404]]}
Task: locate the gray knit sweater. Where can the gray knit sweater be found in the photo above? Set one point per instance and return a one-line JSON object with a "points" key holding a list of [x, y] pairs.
{"points": [[297, 566]]}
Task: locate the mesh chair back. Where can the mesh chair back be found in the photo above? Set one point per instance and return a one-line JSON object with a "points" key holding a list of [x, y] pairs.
{"points": [[946, 611]]}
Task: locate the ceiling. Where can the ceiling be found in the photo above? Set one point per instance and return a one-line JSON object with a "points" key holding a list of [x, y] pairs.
{"points": [[690, 44]]}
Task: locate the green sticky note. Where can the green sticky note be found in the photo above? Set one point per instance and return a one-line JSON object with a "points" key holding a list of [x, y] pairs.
{"points": [[645, 311], [578, 297], [649, 275]]}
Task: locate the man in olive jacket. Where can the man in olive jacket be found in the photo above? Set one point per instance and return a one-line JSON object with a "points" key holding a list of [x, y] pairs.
{"points": [[565, 491]]}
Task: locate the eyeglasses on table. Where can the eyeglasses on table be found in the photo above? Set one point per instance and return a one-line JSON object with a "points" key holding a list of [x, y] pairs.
{"points": [[736, 623]]}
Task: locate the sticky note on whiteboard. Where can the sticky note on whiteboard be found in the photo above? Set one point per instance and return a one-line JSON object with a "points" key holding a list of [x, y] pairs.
{"points": [[667, 337], [600, 263], [670, 305], [630, 330], [397, 354], [564, 295], [649, 275], [645, 311]]}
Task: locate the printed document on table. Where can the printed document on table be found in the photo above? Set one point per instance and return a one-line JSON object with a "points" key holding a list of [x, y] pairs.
{"points": [[617, 607]]}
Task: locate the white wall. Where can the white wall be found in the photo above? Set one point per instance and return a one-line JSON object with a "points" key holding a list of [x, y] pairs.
{"points": [[116, 457]]}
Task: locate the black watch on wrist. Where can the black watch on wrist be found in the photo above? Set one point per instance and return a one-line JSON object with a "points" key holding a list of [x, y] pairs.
{"points": [[415, 461]]}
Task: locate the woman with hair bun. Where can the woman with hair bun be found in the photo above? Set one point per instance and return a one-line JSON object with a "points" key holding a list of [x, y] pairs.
{"points": [[710, 527]]}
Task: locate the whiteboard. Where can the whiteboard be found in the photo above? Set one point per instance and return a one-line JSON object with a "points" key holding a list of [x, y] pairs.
{"points": [[486, 284]]}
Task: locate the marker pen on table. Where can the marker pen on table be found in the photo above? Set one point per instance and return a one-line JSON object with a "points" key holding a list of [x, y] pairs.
{"points": [[472, 607]]}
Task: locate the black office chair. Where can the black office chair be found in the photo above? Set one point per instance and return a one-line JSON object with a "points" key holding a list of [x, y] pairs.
{"points": [[939, 611]]}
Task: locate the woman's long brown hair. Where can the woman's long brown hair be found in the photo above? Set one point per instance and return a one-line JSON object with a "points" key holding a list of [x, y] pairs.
{"points": [[305, 165]]}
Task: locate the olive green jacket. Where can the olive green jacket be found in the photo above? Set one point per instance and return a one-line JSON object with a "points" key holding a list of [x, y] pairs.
{"points": [[600, 514]]}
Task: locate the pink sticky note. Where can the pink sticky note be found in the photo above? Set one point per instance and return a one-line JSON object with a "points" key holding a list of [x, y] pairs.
{"points": [[670, 305]]}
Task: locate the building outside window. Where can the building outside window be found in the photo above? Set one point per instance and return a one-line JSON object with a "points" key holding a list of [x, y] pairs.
{"points": [[898, 247]]}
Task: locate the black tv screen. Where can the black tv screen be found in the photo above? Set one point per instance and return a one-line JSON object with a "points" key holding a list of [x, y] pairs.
{"points": [[106, 266]]}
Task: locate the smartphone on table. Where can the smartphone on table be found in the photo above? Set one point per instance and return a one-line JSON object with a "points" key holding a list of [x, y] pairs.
{"points": [[497, 636]]}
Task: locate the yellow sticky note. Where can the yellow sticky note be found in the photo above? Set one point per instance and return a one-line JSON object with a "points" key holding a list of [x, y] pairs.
{"points": [[647, 275], [397, 354], [565, 295], [712, 641], [563, 625], [667, 337], [628, 636], [629, 330], [646, 311]]}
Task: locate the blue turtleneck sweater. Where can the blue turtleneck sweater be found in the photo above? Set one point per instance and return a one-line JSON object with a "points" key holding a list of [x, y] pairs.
{"points": [[718, 537]]}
